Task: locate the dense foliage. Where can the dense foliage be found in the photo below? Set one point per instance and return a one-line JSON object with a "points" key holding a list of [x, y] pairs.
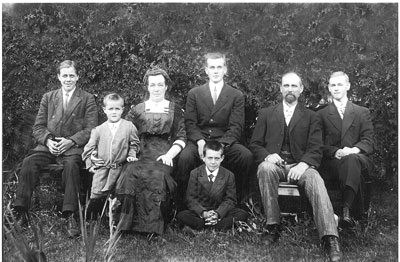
{"points": [[116, 43]]}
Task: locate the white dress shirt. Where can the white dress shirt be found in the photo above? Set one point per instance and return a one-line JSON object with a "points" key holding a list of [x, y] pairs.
{"points": [[214, 174], [288, 111], [67, 97], [341, 105], [215, 89]]}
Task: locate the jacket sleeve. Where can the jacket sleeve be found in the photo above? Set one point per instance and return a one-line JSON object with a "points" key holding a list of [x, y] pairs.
{"points": [[40, 131], [133, 141], [313, 154], [229, 198], [367, 141], [90, 147], [236, 122], [90, 122], [257, 143], [192, 194]]}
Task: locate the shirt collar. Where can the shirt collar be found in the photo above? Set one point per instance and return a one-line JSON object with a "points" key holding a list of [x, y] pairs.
{"points": [[70, 93], [116, 124], [287, 107], [219, 85], [214, 173], [339, 104]]}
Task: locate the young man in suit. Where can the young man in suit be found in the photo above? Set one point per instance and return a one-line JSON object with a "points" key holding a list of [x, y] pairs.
{"points": [[348, 137], [215, 111], [211, 194], [62, 128], [286, 144]]}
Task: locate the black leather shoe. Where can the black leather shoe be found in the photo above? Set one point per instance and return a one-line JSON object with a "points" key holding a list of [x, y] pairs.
{"points": [[72, 226], [272, 235], [331, 247], [21, 220], [347, 220]]}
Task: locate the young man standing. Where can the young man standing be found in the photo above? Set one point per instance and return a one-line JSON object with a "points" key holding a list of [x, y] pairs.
{"points": [[215, 111]]}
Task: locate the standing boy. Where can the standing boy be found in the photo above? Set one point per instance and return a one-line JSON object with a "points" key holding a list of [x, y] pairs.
{"points": [[211, 193], [110, 145]]}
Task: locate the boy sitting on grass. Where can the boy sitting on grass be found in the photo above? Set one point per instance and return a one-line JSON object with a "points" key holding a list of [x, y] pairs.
{"points": [[211, 194], [110, 145]]}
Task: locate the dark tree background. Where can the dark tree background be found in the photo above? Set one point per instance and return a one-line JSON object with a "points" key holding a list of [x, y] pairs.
{"points": [[115, 44]]}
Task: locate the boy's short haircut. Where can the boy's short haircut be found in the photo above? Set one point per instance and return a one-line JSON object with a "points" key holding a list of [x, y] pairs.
{"points": [[213, 145], [214, 55], [113, 97], [68, 64]]}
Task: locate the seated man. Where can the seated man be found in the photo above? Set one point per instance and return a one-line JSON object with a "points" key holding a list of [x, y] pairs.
{"points": [[348, 136], [211, 194], [62, 128], [286, 144]]}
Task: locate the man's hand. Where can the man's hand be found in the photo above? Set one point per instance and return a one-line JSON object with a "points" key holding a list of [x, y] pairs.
{"points": [[92, 169], [63, 144], [297, 171], [275, 159], [200, 147], [346, 151], [166, 159], [52, 146], [339, 154]]}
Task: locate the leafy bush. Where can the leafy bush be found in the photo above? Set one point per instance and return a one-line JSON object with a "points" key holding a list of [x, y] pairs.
{"points": [[116, 43]]}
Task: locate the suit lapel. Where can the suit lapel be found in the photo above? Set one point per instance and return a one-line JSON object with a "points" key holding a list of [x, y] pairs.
{"points": [[334, 117], [58, 104], [206, 97], [348, 118], [218, 182], [74, 101], [280, 117], [203, 179], [297, 115], [223, 96]]}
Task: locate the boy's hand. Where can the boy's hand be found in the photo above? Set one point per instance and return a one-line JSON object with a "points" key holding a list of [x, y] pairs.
{"points": [[96, 161], [92, 169], [131, 159], [212, 219]]}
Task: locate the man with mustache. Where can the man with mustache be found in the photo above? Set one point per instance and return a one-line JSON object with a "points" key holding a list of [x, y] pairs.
{"points": [[286, 144]]}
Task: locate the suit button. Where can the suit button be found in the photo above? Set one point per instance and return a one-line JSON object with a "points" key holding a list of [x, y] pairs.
{"points": [[211, 120], [209, 131]]}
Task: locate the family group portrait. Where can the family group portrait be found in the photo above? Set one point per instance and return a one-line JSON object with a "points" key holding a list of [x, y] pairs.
{"points": [[198, 131]]}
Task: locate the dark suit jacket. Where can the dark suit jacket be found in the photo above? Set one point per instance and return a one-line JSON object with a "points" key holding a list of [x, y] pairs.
{"points": [[201, 196], [355, 129], [76, 123], [223, 121], [304, 134]]}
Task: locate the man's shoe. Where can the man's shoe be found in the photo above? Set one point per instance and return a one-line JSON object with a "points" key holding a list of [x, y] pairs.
{"points": [[72, 226], [272, 235], [347, 220], [189, 231], [331, 247], [21, 220]]}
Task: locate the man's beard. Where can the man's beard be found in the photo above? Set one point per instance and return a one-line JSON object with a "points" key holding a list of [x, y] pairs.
{"points": [[290, 98]]}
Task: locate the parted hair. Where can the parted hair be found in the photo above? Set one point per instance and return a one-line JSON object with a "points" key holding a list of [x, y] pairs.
{"points": [[112, 97], [68, 64], [213, 145]]}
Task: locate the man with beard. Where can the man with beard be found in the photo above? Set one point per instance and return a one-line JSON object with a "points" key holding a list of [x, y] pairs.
{"points": [[286, 144]]}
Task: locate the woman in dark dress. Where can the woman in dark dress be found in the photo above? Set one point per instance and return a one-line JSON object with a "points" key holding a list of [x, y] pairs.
{"points": [[146, 185]]}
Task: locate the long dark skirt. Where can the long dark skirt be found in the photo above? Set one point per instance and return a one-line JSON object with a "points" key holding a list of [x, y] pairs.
{"points": [[145, 188]]}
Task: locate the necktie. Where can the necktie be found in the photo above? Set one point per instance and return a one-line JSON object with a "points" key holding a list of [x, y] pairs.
{"points": [[210, 178], [66, 98], [215, 95], [341, 110], [288, 116]]}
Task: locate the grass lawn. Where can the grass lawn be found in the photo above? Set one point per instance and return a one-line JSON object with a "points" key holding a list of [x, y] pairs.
{"points": [[373, 239]]}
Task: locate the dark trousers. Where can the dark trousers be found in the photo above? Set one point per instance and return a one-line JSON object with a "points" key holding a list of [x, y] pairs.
{"points": [[351, 171], [238, 159], [29, 178], [190, 218]]}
